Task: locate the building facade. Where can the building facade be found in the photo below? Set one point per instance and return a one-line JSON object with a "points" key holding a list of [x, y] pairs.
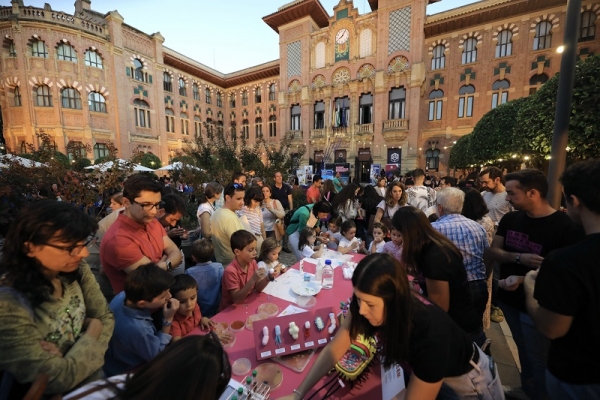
{"points": [[392, 86]]}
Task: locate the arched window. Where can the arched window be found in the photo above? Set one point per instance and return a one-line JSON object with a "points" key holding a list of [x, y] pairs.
{"points": [[438, 61], [208, 96], [138, 73], [536, 81], [244, 97], [432, 159], [39, 49], [196, 92], [233, 130], [167, 82], [397, 103], [93, 59], [543, 36], [504, 46], [258, 127], [469, 54], [66, 52], [141, 112], [97, 102], [100, 151], [232, 100], [17, 96], [43, 96], [465, 101], [182, 88], [219, 99], [272, 94], [12, 49], [587, 31], [272, 126], [435, 105], [500, 92], [197, 126], [70, 98], [245, 129], [257, 95], [23, 147], [170, 120], [185, 124]]}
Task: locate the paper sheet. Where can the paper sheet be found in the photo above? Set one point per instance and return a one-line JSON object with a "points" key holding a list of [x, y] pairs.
{"points": [[291, 309], [392, 381], [281, 287]]}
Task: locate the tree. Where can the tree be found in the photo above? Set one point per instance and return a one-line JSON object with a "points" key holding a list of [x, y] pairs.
{"points": [[459, 155], [536, 119], [148, 160]]}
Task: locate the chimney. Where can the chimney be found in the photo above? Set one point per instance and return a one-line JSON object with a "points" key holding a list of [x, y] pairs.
{"points": [[81, 5]]}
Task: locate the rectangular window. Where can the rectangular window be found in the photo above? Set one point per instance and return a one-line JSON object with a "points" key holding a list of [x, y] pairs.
{"points": [[435, 110], [295, 120], [365, 109], [100, 150], [319, 115]]}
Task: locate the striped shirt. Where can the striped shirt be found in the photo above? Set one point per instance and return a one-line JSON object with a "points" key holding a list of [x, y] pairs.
{"points": [[255, 218], [497, 204]]}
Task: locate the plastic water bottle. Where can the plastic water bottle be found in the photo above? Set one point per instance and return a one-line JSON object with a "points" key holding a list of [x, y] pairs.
{"points": [[327, 275], [319, 271]]}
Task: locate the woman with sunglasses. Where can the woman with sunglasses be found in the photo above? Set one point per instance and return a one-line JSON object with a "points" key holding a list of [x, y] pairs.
{"points": [[195, 367], [53, 318], [441, 360]]}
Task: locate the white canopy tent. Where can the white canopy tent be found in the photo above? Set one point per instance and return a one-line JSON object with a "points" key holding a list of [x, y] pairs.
{"points": [[177, 165], [122, 163], [26, 162]]}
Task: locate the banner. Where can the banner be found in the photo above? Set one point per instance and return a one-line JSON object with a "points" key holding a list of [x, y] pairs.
{"points": [[374, 174]]}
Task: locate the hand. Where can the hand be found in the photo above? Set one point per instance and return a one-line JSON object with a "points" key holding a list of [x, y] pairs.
{"points": [[224, 335], [511, 283], [323, 239], [175, 232], [206, 323], [50, 348], [531, 260], [361, 246], [259, 275], [529, 283], [170, 308], [354, 245]]}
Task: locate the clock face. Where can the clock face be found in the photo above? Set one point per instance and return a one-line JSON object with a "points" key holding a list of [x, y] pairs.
{"points": [[342, 36]]}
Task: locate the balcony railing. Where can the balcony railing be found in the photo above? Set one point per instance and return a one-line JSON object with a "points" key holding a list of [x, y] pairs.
{"points": [[395, 124], [317, 134], [364, 129], [296, 135], [56, 17]]}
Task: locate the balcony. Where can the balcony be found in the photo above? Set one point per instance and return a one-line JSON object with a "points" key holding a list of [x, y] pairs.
{"points": [[395, 129], [364, 129], [296, 135], [317, 134]]}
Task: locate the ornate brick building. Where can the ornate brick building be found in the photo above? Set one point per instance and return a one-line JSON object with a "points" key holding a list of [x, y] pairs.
{"points": [[390, 86]]}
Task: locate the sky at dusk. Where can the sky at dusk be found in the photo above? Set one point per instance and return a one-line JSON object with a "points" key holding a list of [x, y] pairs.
{"points": [[227, 35]]}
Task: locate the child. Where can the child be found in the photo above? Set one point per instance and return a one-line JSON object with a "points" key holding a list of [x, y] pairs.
{"points": [[208, 276], [394, 247], [333, 234], [135, 340], [242, 276], [350, 243], [306, 243], [269, 257], [188, 316], [380, 231]]}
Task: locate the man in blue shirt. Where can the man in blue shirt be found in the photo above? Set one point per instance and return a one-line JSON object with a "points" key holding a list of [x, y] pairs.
{"points": [[135, 340]]}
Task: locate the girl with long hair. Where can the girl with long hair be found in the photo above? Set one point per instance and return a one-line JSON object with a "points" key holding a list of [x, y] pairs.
{"points": [[195, 367], [412, 332], [345, 203], [272, 212], [437, 265], [306, 244], [268, 258], [328, 190], [55, 320], [212, 193], [395, 198], [251, 209]]}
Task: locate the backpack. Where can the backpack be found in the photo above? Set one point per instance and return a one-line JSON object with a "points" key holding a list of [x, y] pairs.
{"points": [[287, 218]]}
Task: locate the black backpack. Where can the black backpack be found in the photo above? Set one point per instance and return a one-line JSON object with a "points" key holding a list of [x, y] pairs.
{"points": [[287, 218]]}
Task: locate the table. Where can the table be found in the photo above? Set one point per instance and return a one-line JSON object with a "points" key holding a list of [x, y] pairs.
{"points": [[244, 344]]}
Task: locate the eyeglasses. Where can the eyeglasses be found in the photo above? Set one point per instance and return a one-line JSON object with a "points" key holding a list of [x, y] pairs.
{"points": [[238, 185], [150, 206], [75, 249]]}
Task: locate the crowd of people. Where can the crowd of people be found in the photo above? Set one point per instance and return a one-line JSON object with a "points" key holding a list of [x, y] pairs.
{"points": [[102, 309]]}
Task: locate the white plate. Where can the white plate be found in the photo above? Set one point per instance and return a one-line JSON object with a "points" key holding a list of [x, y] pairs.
{"points": [[306, 289]]}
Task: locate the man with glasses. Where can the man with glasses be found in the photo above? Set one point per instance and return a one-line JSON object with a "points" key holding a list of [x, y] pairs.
{"points": [[137, 237], [494, 194]]}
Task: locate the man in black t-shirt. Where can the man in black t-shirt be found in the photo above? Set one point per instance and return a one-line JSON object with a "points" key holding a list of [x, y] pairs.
{"points": [[522, 241], [283, 192], [563, 296]]}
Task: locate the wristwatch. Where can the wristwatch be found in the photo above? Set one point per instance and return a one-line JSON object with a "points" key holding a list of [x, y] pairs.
{"points": [[518, 258], [169, 265], [167, 323]]}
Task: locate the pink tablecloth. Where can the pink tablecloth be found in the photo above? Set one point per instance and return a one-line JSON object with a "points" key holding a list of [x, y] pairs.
{"points": [[244, 344]]}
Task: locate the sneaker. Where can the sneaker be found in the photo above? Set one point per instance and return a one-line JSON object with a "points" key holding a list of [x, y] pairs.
{"points": [[496, 315], [514, 393]]}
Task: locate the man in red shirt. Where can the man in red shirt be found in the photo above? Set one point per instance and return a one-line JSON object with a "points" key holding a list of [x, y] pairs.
{"points": [[137, 237], [313, 194]]}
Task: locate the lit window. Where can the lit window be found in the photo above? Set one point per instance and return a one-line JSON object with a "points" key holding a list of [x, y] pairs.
{"points": [[167, 82], [39, 49], [43, 96], [438, 61], [96, 102], [66, 52], [469, 54], [504, 46], [170, 120], [397, 104], [432, 159], [588, 26], [465, 101], [500, 92], [93, 59], [543, 36], [141, 113], [435, 105]]}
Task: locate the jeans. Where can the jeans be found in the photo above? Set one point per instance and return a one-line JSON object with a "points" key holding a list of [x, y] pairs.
{"points": [[294, 238], [559, 390], [482, 382], [537, 347]]}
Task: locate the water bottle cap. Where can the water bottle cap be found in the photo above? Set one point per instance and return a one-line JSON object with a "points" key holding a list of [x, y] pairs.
{"points": [[328, 262]]}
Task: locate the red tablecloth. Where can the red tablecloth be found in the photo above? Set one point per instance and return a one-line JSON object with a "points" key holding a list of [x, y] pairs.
{"points": [[244, 344]]}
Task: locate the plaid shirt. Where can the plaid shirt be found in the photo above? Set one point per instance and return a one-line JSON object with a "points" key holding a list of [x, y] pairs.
{"points": [[469, 237]]}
